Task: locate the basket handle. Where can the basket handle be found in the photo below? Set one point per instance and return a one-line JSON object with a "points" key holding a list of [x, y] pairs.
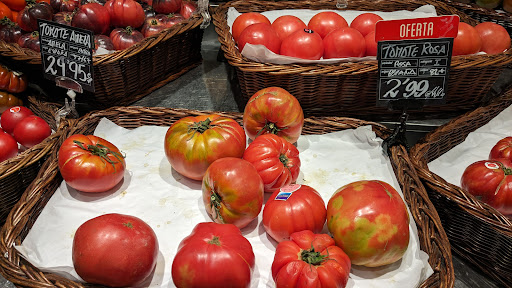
{"points": [[203, 10]]}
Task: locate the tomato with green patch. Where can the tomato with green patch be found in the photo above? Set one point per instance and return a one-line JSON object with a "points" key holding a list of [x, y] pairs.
{"points": [[370, 222], [213, 255]]}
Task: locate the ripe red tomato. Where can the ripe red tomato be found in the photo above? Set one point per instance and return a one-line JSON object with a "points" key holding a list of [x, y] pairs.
{"points": [[260, 33], [304, 44], [115, 250], [310, 260], [495, 38], [276, 160], [232, 191], [92, 16], [13, 116], [152, 26], [170, 19], [90, 163], [167, 6], [125, 13], [287, 24], [5, 11], [12, 81], [15, 5], [63, 18], [369, 221], [10, 32], [64, 5], [325, 22], [8, 146], [273, 110], [31, 131], [30, 41], [213, 255], [193, 143], [371, 44], [293, 208], [123, 38], [343, 43], [467, 41], [27, 19], [502, 149], [365, 23], [188, 8], [103, 41], [245, 20]]}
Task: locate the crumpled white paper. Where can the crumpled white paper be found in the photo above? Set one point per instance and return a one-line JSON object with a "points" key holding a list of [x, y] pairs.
{"points": [[476, 147], [261, 54], [172, 204]]}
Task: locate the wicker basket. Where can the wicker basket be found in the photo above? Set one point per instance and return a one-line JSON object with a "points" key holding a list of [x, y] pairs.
{"points": [[432, 237], [17, 173], [350, 89], [125, 76], [476, 231]]}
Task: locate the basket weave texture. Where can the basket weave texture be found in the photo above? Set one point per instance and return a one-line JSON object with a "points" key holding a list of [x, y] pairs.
{"points": [[350, 89], [433, 239], [17, 173], [477, 232]]}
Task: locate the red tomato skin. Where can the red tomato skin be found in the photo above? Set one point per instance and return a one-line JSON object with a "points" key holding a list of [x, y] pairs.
{"points": [[167, 6], [92, 16], [245, 20], [343, 43], [27, 19], [8, 146], [86, 172], [5, 12], [13, 81], [495, 38], [31, 131], [123, 38], [115, 250], [287, 24], [212, 256], [371, 44], [125, 13], [290, 270], [304, 44], [13, 116], [276, 160], [502, 149], [151, 27], [188, 8], [260, 33], [370, 222], [467, 41], [15, 5], [365, 23], [190, 153], [170, 20], [238, 191], [303, 210], [273, 110], [481, 178], [325, 22]]}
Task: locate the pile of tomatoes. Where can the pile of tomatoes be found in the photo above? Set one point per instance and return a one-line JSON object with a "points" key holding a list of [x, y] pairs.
{"points": [[327, 35], [117, 24]]}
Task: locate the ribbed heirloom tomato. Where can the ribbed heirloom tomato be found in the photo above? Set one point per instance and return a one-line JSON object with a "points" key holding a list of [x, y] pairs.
{"points": [[502, 149]]}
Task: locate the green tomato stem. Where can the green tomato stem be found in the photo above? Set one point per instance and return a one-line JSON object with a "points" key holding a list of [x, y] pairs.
{"points": [[101, 151]]}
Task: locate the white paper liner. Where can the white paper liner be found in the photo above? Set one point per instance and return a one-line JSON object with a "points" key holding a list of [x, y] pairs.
{"points": [[172, 205], [476, 147]]}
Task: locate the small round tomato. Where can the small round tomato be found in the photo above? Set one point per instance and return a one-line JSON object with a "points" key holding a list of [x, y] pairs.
{"points": [[125, 13], [502, 149], [304, 44], [8, 146], [123, 38], [31, 131], [343, 43], [287, 24], [232, 192], [262, 34], [90, 163], [245, 20], [495, 38], [371, 44], [27, 19], [467, 41], [365, 23], [293, 208], [92, 16], [325, 22], [12, 116]]}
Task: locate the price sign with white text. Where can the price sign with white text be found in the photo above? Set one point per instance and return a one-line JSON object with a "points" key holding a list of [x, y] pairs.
{"points": [[66, 54]]}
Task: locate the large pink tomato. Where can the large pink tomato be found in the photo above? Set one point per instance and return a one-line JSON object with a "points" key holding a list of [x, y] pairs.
{"points": [[369, 221], [193, 143]]}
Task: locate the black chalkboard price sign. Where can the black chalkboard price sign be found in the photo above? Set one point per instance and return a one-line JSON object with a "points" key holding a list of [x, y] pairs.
{"points": [[66, 54]]}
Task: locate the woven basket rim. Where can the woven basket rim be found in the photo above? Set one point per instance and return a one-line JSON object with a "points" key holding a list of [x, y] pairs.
{"points": [[235, 58], [506, 16], [11, 231]]}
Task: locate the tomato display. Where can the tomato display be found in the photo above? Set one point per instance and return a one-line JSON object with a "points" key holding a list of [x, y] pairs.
{"points": [[304, 44], [232, 192], [262, 34], [123, 38], [276, 160], [325, 22], [187, 9], [285, 25], [371, 44], [8, 100], [125, 13], [167, 6], [365, 23], [192, 143], [370, 222], [310, 260], [12, 116], [343, 43], [502, 149], [10, 32], [92, 16], [293, 208], [495, 38], [90, 163], [27, 19], [245, 20], [273, 110], [12, 81], [31, 131], [115, 250], [30, 41], [64, 5], [467, 41], [8, 146], [213, 255]]}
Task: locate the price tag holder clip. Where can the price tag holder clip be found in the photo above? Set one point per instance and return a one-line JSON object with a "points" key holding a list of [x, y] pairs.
{"points": [[398, 135]]}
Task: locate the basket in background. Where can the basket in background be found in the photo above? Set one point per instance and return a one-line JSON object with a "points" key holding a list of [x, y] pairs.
{"points": [[14, 268], [350, 89], [477, 232]]}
